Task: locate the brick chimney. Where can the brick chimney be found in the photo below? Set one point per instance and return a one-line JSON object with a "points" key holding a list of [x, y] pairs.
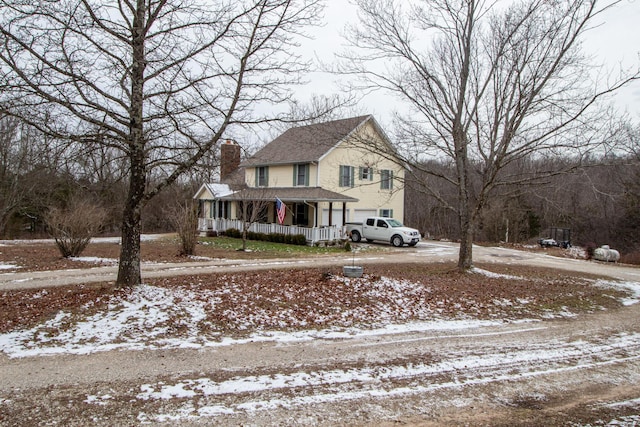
{"points": [[229, 158]]}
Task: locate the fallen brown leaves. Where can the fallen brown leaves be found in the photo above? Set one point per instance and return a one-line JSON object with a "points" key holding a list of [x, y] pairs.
{"points": [[44, 256], [241, 303]]}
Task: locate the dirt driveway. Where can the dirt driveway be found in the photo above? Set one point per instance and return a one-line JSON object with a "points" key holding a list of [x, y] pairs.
{"points": [[428, 252], [571, 371]]}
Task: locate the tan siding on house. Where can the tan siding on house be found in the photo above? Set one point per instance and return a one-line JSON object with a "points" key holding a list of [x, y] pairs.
{"points": [[354, 152], [281, 176]]}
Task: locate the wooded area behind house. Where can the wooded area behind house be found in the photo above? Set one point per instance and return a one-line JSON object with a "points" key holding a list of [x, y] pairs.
{"points": [[599, 202]]}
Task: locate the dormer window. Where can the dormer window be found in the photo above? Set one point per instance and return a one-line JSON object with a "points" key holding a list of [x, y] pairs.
{"points": [[301, 175], [262, 176]]}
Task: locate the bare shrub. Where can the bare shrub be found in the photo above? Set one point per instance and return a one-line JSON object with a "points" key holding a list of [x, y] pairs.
{"points": [[184, 218], [72, 227]]}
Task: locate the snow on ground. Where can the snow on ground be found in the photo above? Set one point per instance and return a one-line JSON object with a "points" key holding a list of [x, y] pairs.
{"points": [[631, 287], [147, 319], [494, 275], [515, 357], [158, 317], [149, 316], [200, 258], [95, 260], [631, 402], [8, 266], [455, 371]]}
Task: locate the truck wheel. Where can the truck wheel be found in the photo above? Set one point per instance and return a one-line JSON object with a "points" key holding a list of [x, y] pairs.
{"points": [[397, 241], [355, 236]]}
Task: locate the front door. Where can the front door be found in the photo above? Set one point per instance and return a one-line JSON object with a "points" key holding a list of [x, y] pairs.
{"points": [[301, 216]]}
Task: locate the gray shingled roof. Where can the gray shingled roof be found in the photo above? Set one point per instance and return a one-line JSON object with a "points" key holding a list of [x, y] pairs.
{"points": [[290, 194], [305, 144]]}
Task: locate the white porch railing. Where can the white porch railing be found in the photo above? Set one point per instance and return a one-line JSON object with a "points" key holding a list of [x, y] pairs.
{"points": [[313, 234]]}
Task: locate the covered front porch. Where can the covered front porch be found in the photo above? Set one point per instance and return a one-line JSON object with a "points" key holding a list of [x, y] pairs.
{"points": [[312, 234], [316, 213]]}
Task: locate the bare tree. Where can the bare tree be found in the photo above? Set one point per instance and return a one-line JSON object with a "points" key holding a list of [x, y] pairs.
{"points": [[488, 84], [159, 81], [253, 206]]}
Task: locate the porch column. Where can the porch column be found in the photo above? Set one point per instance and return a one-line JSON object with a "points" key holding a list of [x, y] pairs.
{"points": [[315, 214], [344, 213]]}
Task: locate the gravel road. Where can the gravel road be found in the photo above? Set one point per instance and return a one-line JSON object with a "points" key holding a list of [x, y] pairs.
{"points": [[423, 252], [583, 370]]}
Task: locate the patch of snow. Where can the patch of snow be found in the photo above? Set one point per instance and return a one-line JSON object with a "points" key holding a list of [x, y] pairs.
{"points": [[503, 302], [495, 275], [8, 266], [140, 321], [563, 313], [627, 403], [625, 421], [200, 258], [98, 400], [95, 260], [633, 288]]}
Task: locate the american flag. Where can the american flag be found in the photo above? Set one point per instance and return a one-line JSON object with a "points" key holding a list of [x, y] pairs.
{"points": [[281, 208]]}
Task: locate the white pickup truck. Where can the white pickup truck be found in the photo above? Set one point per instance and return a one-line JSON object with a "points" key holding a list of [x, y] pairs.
{"points": [[384, 229]]}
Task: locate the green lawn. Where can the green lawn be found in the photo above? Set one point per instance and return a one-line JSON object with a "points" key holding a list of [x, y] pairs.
{"points": [[270, 248]]}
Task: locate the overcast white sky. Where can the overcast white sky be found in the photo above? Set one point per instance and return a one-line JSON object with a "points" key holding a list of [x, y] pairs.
{"points": [[616, 41]]}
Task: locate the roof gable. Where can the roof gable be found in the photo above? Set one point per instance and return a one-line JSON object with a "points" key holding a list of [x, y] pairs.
{"points": [[215, 190], [305, 144]]}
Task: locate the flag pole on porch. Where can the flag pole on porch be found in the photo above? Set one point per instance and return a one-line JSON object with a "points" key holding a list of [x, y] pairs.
{"points": [[281, 210]]}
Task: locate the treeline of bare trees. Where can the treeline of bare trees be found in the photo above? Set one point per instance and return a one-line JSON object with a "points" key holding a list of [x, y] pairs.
{"points": [[599, 202], [488, 86], [39, 175]]}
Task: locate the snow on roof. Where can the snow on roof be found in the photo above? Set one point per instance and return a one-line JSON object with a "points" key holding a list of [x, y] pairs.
{"points": [[217, 190]]}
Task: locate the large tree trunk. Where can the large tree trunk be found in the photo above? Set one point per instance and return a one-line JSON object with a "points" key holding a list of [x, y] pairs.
{"points": [[465, 255], [129, 268]]}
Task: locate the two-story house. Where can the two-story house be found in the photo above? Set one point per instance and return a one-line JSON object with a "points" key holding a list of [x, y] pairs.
{"points": [[325, 174]]}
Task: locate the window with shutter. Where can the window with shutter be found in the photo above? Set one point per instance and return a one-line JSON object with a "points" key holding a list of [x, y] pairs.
{"points": [[366, 174], [346, 176], [386, 179], [262, 176], [301, 175]]}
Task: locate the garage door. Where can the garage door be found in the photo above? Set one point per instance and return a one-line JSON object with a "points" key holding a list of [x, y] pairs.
{"points": [[336, 217], [359, 215]]}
